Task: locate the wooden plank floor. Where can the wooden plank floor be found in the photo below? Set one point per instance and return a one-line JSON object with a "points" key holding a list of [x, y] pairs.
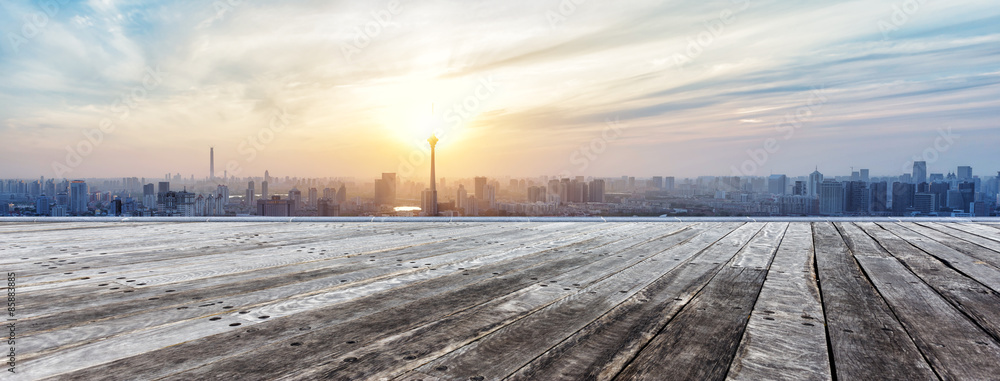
{"points": [[504, 300]]}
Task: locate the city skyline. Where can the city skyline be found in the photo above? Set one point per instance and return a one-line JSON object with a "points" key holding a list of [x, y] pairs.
{"points": [[524, 88]]}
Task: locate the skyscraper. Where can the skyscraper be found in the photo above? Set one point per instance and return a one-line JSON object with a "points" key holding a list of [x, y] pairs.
{"points": [[295, 197], [263, 190], [42, 205], [902, 197], [211, 163], [878, 201], [865, 175], [342, 194], [78, 197], [462, 197], [776, 184], [251, 194], [919, 172], [668, 183], [925, 203], [480, 184], [432, 197], [831, 198], [964, 173], [815, 179], [597, 190], [385, 190], [856, 197]]}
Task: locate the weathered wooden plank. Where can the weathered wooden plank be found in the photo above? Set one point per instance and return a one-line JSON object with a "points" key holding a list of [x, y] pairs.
{"points": [[173, 270], [602, 348], [978, 302], [867, 342], [496, 329], [955, 347], [974, 246], [366, 318], [968, 235], [78, 299], [276, 295], [701, 341], [497, 311], [785, 338], [981, 271]]}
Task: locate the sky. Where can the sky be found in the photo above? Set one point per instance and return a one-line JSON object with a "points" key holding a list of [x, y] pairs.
{"points": [[113, 88]]}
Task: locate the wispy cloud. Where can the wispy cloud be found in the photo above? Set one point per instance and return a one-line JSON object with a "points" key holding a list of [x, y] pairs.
{"points": [[231, 66]]}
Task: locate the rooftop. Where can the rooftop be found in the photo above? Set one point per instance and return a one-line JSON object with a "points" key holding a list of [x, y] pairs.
{"points": [[478, 299]]}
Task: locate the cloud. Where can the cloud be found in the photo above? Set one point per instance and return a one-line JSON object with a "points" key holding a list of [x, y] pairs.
{"points": [[231, 67]]}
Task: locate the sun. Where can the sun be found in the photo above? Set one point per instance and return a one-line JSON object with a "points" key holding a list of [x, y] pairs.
{"points": [[409, 112]]}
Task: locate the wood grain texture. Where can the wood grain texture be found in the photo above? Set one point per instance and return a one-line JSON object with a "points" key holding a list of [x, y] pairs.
{"points": [[976, 301], [971, 266], [866, 340], [785, 338], [369, 317], [689, 349], [512, 300], [602, 348]]}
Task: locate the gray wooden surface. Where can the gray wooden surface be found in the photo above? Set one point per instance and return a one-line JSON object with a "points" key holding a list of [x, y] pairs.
{"points": [[481, 300]]}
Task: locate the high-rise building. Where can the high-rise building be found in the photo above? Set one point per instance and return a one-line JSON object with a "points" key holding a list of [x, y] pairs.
{"points": [[433, 201], [831, 198], [490, 193], [940, 189], [342, 194], [462, 198], [385, 190], [878, 200], [211, 163], [815, 179], [295, 197], [480, 184], [925, 203], [328, 208], [777, 184], [78, 197], [902, 197], [657, 182], [263, 190], [856, 197], [968, 192], [251, 196], [668, 183], [919, 172], [597, 190], [275, 207], [537, 194], [42, 204], [865, 175], [964, 173], [313, 197], [799, 189]]}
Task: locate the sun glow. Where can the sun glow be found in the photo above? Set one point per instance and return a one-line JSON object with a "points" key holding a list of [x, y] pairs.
{"points": [[410, 111]]}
